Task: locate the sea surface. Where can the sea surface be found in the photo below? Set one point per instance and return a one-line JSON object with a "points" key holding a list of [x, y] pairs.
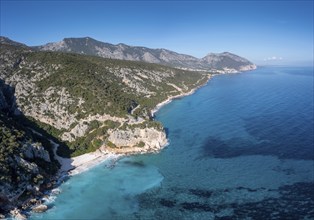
{"points": [[241, 147]]}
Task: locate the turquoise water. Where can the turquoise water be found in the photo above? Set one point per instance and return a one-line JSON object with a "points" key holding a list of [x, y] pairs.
{"points": [[240, 147]]}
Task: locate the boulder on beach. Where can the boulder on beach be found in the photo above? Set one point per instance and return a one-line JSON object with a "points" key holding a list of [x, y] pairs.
{"points": [[16, 213], [40, 208]]}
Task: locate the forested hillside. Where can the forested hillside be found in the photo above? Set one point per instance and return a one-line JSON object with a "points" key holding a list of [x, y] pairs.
{"points": [[86, 101]]}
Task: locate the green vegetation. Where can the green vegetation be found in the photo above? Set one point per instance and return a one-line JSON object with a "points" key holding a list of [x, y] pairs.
{"points": [[110, 144], [78, 86], [94, 80], [13, 139], [141, 144]]}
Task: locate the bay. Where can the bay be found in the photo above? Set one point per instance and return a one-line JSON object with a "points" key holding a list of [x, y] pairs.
{"points": [[240, 147]]}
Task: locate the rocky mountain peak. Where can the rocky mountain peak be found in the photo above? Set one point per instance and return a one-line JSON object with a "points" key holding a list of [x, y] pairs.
{"points": [[90, 46], [7, 41], [227, 61]]}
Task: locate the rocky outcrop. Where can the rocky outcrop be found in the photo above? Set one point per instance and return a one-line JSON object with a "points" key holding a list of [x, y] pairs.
{"points": [[16, 214], [141, 139], [82, 126], [28, 166], [5, 40], [227, 62], [49, 107], [40, 208], [36, 150]]}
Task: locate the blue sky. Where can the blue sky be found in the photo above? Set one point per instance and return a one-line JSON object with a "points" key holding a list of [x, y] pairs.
{"points": [[266, 32]]}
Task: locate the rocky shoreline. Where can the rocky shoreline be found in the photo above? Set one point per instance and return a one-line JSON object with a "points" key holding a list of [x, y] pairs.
{"points": [[70, 167], [171, 98], [82, 163], [35, 203]]}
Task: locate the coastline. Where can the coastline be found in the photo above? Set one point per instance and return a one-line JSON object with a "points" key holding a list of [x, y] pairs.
{"points": [[82, 163], [76, 165], [171, 98]]}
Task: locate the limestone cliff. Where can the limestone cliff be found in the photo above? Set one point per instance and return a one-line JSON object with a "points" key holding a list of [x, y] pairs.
{"points": [[85, 101], [138, 140]]}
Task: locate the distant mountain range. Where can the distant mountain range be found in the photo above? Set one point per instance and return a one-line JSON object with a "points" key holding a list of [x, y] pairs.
{"points": [[7, 41], [226, 61]]}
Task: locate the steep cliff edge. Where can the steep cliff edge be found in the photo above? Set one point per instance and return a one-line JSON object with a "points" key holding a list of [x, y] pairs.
{"points": [[26, 161]]}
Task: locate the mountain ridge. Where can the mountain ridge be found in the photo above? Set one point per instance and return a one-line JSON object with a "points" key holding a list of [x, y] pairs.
{"points": [[223, 62]]}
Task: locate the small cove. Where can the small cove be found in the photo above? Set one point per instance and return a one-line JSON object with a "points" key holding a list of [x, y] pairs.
{"points": [[241, 146]]}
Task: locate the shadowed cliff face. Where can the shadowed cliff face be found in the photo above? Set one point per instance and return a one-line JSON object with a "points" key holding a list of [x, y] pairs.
{"points": [[26, 160], [7, 98]]}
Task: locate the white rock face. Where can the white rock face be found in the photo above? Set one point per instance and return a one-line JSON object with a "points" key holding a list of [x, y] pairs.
{"points": [[40, 208], [153, 139], [80, 129], [104, 52], [148, 57], [61, 45], [248, 67], [16, 214]]}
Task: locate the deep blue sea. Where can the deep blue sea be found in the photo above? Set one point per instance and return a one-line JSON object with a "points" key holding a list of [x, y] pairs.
{"points": [[241, 147]]}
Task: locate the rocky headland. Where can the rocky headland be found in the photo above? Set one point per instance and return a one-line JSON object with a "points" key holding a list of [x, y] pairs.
{"points": [[63, 113]]}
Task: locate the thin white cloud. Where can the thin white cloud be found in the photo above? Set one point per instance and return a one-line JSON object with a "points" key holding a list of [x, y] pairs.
{"points": [[273, 58]]}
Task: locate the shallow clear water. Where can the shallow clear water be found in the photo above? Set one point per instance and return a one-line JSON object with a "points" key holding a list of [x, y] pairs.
{"points": [[240, 147]]}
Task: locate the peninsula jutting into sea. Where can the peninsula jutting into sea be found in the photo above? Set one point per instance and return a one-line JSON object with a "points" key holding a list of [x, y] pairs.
{"points": [[70, 105]]}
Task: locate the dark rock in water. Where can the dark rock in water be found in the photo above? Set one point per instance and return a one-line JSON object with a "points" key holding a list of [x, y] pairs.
{"points": [[296, 202], [135, 163], [248, 189], [33, 201], [167, 203], [201, 193], [293, 202], [196, 206]]}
